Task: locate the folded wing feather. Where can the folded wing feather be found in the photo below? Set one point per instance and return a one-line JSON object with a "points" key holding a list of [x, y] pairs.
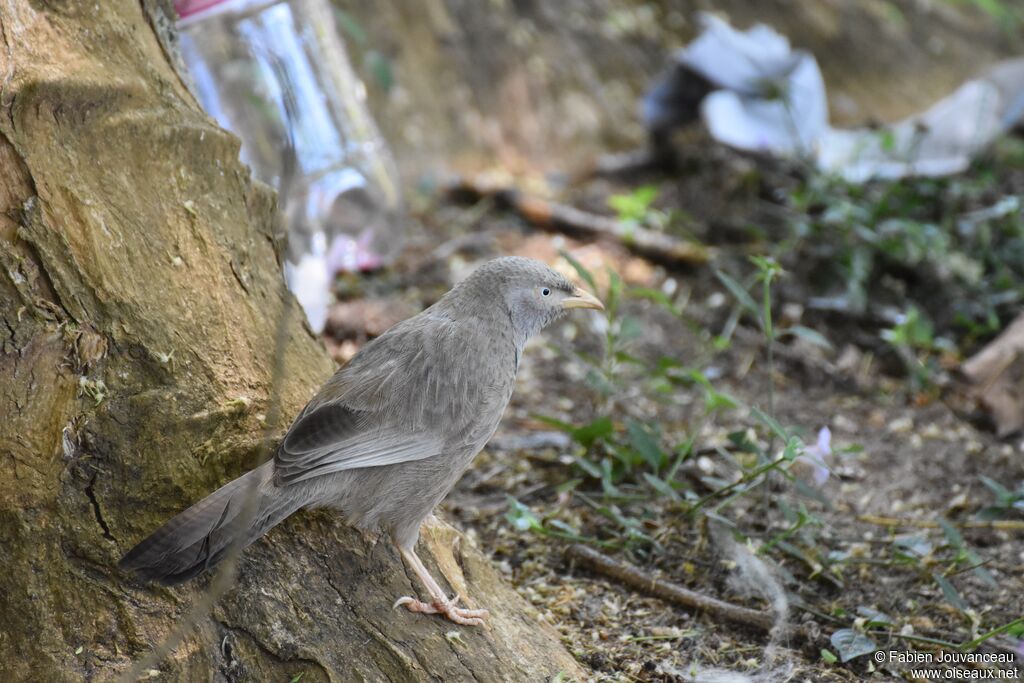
{"points": [[333, 437]]}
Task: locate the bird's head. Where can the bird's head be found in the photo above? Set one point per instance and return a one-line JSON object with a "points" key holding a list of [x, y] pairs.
{"points": [[529, 292]]}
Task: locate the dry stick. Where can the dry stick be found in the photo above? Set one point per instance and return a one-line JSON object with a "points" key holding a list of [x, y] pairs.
{"points": [[998, 524], [672, 592], [225, 576], [555, 217], [666, 590]]}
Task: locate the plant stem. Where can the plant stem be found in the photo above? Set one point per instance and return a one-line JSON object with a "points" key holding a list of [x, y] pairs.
{"points": [[774, 464], [971, 644], [689, 451], [769, 333]]}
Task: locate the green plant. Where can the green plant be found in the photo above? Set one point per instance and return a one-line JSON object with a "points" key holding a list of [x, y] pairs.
{"points": [[944, 251], [635, 206], [634, 459], [636, 209], [1008, 504], [1006, 14], [625, 492]]}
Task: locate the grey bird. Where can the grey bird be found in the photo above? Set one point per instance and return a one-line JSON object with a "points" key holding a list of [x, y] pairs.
{"points": [[387, 437]]}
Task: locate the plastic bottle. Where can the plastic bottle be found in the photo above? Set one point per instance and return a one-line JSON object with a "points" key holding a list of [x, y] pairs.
{"points": [[276, 74]]}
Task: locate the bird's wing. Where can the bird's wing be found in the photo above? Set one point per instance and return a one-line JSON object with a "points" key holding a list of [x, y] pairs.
{"points": [[388, 405], [333, 437]]}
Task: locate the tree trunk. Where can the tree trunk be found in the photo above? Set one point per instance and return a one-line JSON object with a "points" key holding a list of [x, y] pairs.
{"points": [[139, 293]]}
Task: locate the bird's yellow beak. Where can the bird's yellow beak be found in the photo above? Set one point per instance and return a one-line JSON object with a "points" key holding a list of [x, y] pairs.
{"points": [[582, 299]]}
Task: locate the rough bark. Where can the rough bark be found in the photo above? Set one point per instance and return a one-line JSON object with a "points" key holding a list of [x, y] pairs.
{"points": [[139, 292]]}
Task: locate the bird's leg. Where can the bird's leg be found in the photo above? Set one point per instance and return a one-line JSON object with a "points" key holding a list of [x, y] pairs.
{"points": [[440, 603]]}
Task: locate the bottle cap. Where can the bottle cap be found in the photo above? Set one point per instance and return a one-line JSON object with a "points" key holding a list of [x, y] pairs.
{"points": [[195, 10], [186, 8]]}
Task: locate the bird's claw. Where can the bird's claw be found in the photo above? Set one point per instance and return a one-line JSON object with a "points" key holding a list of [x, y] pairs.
{"points": [[447, 607]]}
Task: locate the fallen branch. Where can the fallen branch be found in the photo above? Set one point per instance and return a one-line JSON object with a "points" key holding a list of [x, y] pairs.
{"points": [[998, 524], [994, 375], [552, 216], [666, 590], [671, 592]]}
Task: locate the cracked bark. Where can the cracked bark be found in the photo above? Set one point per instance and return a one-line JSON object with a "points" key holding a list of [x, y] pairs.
{"points": [[91, 493], [105, 277]]}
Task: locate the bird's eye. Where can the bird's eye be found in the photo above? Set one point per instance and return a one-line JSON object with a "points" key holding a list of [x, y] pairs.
{"points": [[545, 292]]}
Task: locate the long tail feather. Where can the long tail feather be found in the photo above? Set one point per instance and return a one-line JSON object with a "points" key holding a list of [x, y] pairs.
{"points": [[199, 537]]}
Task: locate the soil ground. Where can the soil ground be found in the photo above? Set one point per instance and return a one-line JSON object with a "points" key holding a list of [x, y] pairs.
{"points": [[909, 456]]}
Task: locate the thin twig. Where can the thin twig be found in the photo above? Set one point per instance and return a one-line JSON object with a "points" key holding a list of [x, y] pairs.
{"points": [[747, 478], [552, 216], [671, 592], [666, 590], [997, 524]]}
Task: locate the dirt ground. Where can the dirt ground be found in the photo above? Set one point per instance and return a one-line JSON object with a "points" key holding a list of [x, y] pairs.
{"points": [[903, 460]]}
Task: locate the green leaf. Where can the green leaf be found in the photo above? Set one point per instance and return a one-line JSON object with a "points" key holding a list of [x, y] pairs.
{"points": [[629, 359], [851, 644], [887, 139], [768, 268], [565, 528], [613, 294], [810, 492], [556, 423], [721, 519], [567, 486], [950, 592], [991, 512], [633, 206], [793, 551], [599, 429], [794, 447], [770, 422], [1015, 628], [630, 524], [740, 441], [739, 293], [522, 517], [828, 657], [379, 67], [350, 26], [629, 329], [597, 381], [917, 545], [591, 468], [914, 331], [716, 400], [608, 478], [645, 443], [698, 377], [661, 486], [952, 535], [809, 335], [580, 269], [629, 457], [656, 295], [1002, 493], [874, 617]]}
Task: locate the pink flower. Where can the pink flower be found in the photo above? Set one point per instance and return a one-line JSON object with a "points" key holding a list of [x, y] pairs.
{"points": [[817, 456]]}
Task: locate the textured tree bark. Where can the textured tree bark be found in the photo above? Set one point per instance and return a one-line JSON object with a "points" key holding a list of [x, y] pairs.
{"points": [[139, 292]]}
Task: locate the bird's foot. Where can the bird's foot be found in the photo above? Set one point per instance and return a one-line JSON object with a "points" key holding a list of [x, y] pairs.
{"points": [[447, 607]]}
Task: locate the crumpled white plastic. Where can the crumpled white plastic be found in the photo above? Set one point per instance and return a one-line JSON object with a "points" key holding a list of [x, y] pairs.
{"points": [[769, 98]]}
